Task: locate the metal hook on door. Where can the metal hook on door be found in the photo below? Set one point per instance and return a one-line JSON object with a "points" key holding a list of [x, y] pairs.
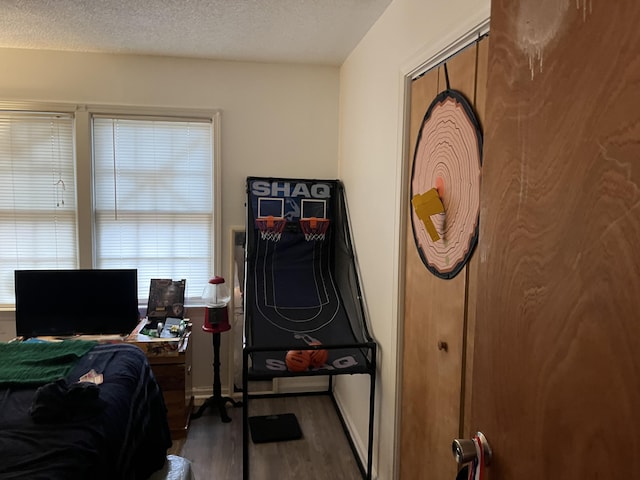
{"points": [[464, 450]]}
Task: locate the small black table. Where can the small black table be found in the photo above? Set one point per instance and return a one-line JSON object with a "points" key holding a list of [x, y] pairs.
{"points": [[217, 400]]}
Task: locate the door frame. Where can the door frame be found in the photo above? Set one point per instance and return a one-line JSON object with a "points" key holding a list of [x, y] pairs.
{"points": [[435, 54]]}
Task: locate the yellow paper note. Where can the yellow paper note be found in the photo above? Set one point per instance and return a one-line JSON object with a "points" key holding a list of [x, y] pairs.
{"points": [[427, 204]]}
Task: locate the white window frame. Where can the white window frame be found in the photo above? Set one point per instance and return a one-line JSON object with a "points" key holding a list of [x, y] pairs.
{"points": [[84, 169]]}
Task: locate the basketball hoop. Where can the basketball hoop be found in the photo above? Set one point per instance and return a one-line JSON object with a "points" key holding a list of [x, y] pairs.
{"points": [[314, 229], [271, 227]]}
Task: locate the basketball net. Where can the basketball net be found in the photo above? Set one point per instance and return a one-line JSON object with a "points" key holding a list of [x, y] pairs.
{"points": [[271, 227], [314, 229]]}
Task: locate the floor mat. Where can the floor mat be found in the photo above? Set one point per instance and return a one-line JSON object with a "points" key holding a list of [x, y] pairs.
{"points": [[274, 428]]}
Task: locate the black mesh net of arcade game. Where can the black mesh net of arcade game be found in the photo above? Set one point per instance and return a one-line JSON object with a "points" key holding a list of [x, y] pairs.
{"points": [[301, 283]]}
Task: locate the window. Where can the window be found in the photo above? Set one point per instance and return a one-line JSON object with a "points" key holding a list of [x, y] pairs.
{"points": [[38, 215], [153, 198], [86, 190]]}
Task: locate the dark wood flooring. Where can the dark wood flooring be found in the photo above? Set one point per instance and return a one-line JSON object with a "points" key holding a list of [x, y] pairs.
{"points": [[215, 448]]}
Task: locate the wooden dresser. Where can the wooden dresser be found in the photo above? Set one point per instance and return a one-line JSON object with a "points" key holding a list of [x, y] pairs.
{"points": [[173, 374], [170, 360]]}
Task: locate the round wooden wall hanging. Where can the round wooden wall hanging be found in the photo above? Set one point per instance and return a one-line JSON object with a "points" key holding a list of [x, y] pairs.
{"points": [[445, 184]]}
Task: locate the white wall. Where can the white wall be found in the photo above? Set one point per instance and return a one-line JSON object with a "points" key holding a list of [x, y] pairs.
{"points": [[371, 165], [277, 120]]}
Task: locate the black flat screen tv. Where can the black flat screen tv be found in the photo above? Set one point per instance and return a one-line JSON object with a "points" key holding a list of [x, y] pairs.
{"points": [[64, 303]]}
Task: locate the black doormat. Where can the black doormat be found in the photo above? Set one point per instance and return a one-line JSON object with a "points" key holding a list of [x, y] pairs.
{"points": [[274, 428]]}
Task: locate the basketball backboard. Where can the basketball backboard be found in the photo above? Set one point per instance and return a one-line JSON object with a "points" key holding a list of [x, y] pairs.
{"points": [[270, 207], [313, 208]]}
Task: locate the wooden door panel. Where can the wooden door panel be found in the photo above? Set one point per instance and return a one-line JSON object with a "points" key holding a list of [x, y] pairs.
{"points": [[419, 361], [434, 311], [556, 383]]}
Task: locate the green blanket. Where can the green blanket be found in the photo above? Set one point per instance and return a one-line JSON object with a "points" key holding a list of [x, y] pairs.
{"points": [[37, 363]]}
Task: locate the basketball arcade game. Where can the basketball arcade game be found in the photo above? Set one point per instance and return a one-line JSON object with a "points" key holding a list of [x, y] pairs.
{"points": [[304, 312]]}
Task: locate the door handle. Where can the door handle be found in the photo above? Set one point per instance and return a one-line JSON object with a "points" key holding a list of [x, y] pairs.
{"points": [[465, 450]]}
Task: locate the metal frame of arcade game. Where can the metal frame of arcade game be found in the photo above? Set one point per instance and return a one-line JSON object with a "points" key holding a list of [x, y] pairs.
{"points": [[304, 308]]}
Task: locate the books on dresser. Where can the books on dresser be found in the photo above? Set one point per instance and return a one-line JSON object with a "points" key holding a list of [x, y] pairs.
{"points": [[166, 299]]}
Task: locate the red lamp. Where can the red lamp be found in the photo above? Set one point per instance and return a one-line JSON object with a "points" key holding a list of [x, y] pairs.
{"points": [[216, 297]]}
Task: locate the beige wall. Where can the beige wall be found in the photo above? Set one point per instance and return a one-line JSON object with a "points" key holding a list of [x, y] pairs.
{"points": [[277, 120], [371, 165]]}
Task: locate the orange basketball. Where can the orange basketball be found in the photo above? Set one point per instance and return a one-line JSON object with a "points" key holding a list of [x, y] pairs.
{"points": [[318, 357], [298, 360]]}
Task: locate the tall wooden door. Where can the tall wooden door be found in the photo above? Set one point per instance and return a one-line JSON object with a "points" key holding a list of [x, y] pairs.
{"points": [[556, 384], [436, 311]]}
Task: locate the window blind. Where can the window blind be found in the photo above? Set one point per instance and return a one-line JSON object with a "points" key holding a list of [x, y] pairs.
{"points": [[37, 195], [153, 207]]}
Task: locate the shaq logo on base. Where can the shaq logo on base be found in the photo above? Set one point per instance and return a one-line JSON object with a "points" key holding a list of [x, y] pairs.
{"points": [[339, 363]]}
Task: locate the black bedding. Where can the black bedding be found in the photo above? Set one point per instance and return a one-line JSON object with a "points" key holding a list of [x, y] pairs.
{"points": [[118, 430]]}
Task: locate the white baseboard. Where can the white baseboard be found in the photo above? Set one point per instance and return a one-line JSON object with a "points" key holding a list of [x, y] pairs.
{"points": [[360, 445], [301, 384], [278, 385], [200, 394]]}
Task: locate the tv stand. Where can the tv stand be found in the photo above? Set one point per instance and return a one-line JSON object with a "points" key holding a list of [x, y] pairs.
{"points": [[173, 374], [170, 360]]}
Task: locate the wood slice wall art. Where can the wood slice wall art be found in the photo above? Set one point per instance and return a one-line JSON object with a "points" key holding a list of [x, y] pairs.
{"points": [[445, 184]]}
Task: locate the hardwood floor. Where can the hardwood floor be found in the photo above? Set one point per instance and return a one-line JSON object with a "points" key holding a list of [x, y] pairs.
{"points": [[215, 448]]}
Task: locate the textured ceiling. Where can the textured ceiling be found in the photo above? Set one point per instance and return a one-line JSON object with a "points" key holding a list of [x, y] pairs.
{"points": [[299, 31]]}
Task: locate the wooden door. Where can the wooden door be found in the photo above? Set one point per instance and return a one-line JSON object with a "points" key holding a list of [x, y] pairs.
{"points": [[556, 385], [436, 311]]}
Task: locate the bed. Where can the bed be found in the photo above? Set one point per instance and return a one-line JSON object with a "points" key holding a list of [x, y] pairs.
{"points": [[54, 427]]}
